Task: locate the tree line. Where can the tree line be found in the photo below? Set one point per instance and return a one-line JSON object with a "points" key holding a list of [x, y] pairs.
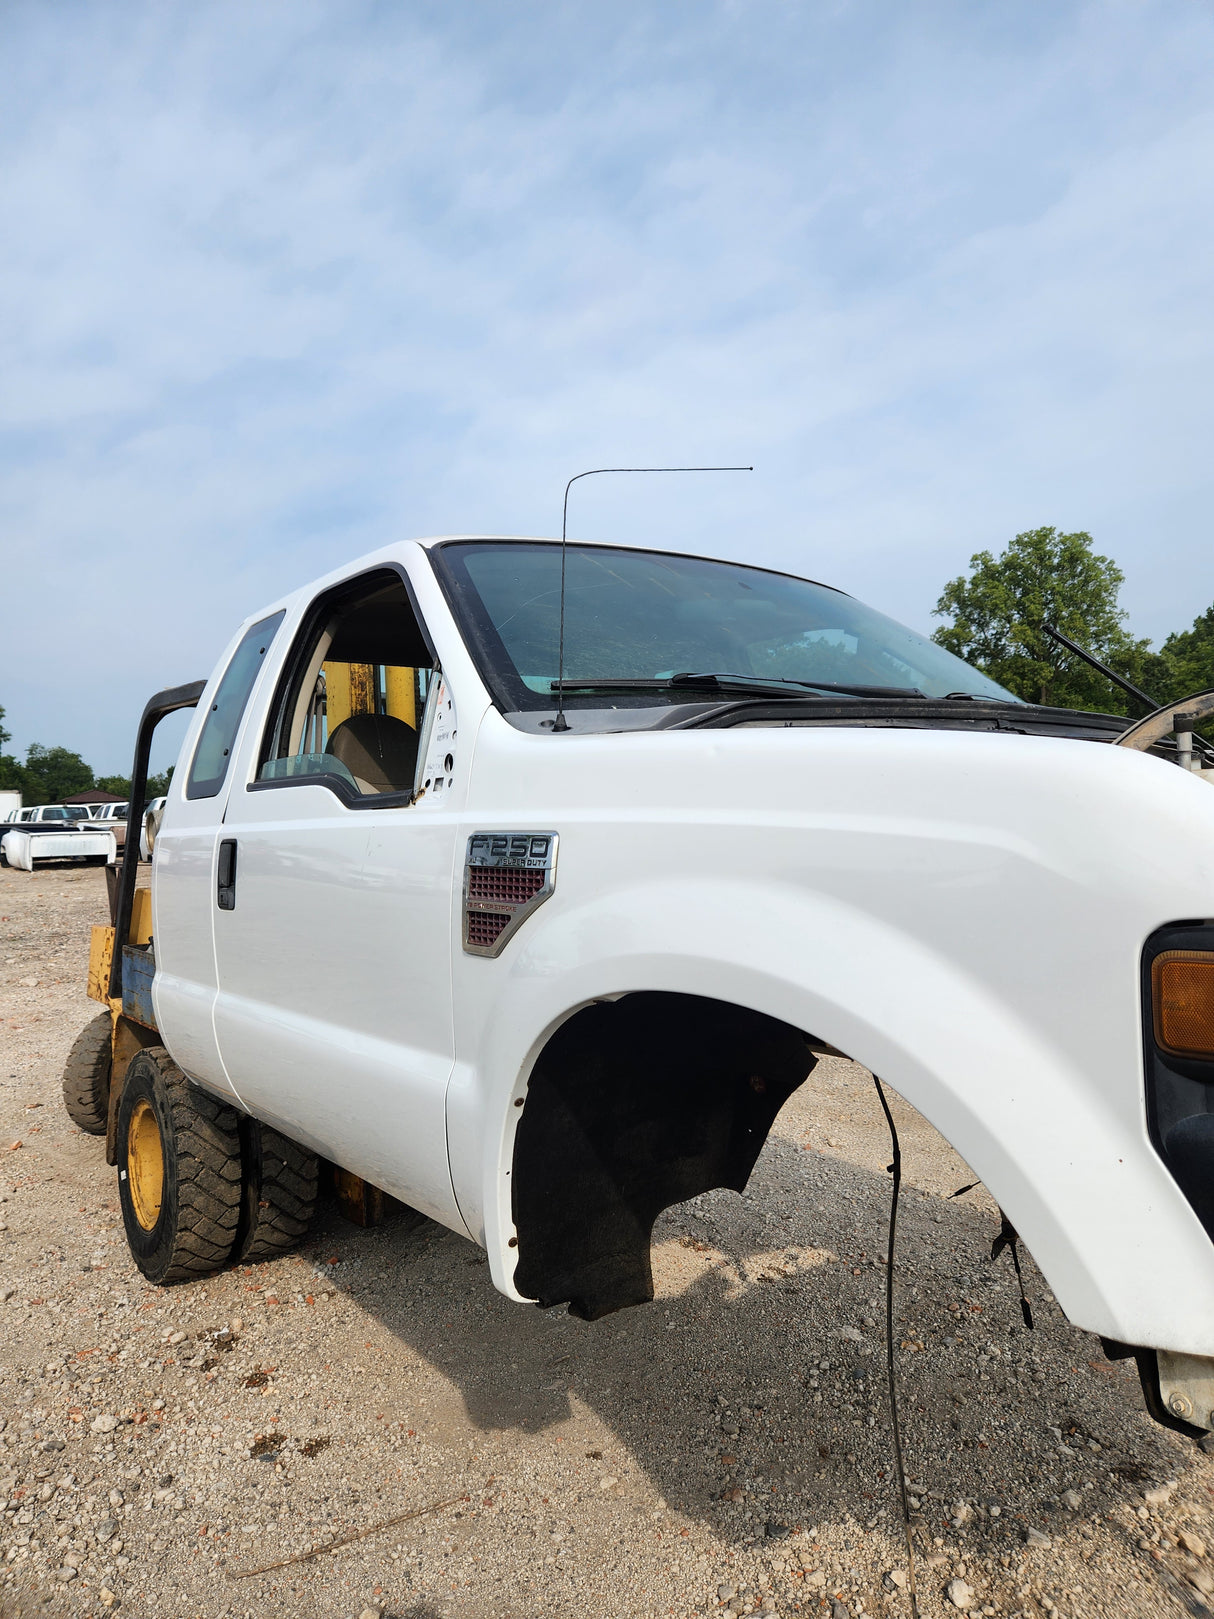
{"points": [[996, 617], [998, 613], [49, 775]]}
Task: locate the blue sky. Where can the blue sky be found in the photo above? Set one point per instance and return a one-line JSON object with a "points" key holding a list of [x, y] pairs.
{"points": [[280, 283]]}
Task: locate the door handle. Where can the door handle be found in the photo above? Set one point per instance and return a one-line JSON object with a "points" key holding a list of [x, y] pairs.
{"points": [[225, 887]]}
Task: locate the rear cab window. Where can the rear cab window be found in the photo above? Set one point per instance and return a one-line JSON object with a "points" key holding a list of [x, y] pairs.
{"points": [[210, 765]]}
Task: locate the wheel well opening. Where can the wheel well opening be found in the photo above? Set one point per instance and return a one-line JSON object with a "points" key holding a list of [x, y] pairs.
{"points": [[634, 1105]]}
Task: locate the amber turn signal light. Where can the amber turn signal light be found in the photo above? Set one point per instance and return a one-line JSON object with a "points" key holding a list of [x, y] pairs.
{"points": [[1182, 993]]}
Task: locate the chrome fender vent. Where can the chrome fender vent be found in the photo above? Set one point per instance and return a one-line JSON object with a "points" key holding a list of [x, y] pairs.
{"points": [[506, 876]]}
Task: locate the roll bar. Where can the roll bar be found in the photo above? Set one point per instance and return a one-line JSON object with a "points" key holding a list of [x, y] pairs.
{"points": [[164, 702]]}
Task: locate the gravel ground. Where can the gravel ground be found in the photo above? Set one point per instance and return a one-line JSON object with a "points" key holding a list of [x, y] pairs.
{"points": [[723, 1450]]}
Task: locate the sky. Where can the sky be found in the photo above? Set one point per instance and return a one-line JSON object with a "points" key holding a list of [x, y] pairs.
{"points": [[283, 283]]}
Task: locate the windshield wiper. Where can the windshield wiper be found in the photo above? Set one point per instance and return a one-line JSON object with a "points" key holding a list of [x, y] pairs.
{"points": [[977, 697], [756, 684]]}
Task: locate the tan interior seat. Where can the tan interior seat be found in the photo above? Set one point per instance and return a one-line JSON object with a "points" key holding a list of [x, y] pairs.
{"points": [[379, 751]]}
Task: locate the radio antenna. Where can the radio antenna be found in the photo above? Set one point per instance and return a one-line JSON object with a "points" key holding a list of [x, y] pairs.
{"points": [[560, 723]]}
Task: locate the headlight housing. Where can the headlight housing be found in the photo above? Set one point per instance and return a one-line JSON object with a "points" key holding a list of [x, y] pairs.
{"points": [[1178, 1027]]}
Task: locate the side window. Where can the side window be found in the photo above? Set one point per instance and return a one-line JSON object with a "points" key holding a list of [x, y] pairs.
{"points": [[350, 706], [219, 729]]}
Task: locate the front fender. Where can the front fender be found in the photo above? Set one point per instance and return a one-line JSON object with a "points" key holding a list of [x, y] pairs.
{"points": [[1027, 1062]]}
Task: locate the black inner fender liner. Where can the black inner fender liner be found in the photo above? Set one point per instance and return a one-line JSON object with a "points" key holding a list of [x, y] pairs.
{"points": [[632, 1106]]}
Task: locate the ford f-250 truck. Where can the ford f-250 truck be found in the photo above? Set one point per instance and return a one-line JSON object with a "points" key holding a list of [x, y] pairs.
{"points": [[540, 941]]}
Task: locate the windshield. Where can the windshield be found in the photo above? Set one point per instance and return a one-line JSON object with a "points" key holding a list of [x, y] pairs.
{"points": [[648, 615]]}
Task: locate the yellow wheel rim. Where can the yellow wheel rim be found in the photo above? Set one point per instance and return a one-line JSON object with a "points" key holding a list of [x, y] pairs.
{"points": [[145, 1164]]}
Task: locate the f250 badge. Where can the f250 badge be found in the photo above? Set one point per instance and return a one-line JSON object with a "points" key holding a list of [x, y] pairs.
{"points": [[507, 875]]}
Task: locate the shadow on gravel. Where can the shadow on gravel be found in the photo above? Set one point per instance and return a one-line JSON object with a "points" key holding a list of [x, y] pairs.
{"points": [[758, 1373]]}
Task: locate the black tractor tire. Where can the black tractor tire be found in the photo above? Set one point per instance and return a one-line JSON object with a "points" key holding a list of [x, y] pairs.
{"points": [[280, 1185], [86, 1076], [179, 1172]]}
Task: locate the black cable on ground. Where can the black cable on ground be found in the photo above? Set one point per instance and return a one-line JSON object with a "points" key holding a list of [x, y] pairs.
{"points": [[895, 1169]]}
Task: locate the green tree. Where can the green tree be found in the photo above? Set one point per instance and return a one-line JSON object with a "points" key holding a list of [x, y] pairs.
{"points": [[1045, 577], [13, 775], [56, 773], [1184, 663], [157, 786]]}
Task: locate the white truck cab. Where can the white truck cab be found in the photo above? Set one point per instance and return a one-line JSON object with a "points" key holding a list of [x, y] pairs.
{"points": [[539, 942]]}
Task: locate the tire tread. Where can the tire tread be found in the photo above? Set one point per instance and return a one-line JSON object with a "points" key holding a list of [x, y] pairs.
{"points": [[286, 1200], [86, 1076], [207, 1148]]}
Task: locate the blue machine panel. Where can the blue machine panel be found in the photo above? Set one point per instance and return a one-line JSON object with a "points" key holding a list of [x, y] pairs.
{"points": [[138, 970]]}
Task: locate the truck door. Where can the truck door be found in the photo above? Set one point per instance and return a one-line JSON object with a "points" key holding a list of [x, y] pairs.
{"points": [[185, 986], [332, 903]]}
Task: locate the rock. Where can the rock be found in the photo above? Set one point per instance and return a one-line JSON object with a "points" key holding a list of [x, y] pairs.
{"points": [[177, 1337], [1159, 1496], [1192, 1542], [726, 1593], [107, 1596], [775, 1530], [371, 1613], [838, 1610], [852, 1334], [608, 1483], [106, 1529], [959, 1594], [1071, 1500], [1036, 1537], [962, 1513], [1203, 1580], [66, 1573], [104, 1424], [896, 1577]]}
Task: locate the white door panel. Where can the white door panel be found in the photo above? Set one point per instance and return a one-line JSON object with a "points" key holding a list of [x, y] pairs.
{"points": [[367, 1104], [183, 892], [334, 1005], [183, 874]]}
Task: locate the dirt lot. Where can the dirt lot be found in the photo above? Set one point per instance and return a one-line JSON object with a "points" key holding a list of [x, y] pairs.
{"points": [[725, 1449]]}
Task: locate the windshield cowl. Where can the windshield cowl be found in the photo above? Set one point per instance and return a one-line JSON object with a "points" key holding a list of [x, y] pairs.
{"points": [[729, 712]]}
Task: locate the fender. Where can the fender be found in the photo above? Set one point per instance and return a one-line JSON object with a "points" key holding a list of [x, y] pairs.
{"points": [[872, 930]]}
